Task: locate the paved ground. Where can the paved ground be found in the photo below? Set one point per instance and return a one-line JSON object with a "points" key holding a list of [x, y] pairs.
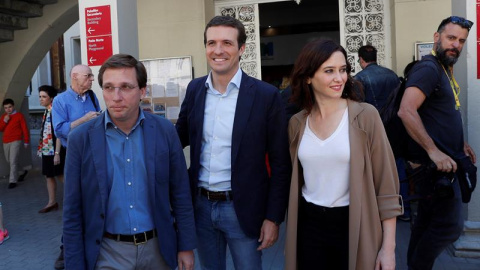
{"points": [[35, 238]]}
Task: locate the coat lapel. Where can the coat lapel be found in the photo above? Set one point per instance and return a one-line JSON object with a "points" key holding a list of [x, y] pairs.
{"points": [[357, 164], [99, 150], [246, 96], [199, 115], [150, 140]]}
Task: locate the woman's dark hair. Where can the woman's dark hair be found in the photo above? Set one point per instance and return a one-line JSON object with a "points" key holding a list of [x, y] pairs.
{"points": [[312, 56], [50, 90]]}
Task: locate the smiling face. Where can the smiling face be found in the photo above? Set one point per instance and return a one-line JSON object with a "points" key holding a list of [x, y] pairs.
{"points": [[45, 99], [330, 78], [222, 51], [122, 106]]}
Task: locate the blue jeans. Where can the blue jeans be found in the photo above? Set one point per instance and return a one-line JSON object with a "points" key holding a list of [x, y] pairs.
{"points": [[439, 223], [404, 185], [217, 225]]}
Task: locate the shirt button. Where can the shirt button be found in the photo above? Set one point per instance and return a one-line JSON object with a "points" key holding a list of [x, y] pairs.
{"points": [[128, 160], [131, 206], [129, 183], [134, 229], [127, 138]]}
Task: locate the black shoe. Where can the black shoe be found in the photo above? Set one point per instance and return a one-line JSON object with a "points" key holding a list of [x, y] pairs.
{"points": [[22, 176], [12, 185], [60, 263]]}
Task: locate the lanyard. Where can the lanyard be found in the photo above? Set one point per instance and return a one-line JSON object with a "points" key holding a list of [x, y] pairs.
{"points": [[453, 84]]}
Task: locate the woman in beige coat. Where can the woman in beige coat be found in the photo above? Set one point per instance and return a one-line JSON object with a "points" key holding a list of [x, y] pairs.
{"points": [[344, 191]]}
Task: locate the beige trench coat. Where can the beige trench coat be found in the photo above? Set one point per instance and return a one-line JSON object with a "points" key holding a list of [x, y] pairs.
{"points": [[374, 186]]}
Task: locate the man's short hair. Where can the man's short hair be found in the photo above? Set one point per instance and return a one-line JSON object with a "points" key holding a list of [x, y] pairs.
{"points": [[124, 61], [227, 21], [8, 101], [368, 53], [460, 21]]}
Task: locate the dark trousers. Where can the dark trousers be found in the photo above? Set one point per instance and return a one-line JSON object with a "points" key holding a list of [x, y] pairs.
{"points": [[439, 223], [322, 237]]}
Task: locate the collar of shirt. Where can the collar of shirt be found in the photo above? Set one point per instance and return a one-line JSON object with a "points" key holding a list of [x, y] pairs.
{"points": [[13, 112], [109, 122], [76, 95], [234, 82]]}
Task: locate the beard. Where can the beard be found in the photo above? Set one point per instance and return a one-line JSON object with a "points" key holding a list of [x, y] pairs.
{"points": [[442, 56]]}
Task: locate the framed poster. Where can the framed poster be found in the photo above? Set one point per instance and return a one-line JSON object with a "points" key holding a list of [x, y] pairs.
{"points": [[167, 83], [422, 49]]}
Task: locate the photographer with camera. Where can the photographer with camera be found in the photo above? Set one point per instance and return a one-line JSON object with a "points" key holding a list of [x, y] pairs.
{"points": [[430, 111]]}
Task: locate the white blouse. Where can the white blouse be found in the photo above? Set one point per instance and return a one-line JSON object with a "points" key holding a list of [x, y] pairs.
{"points": [[326, 166]]}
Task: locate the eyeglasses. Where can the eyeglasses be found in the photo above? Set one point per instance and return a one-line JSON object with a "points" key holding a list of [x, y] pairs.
{"points": [[456, 20], [125, 88], [89, 75]]}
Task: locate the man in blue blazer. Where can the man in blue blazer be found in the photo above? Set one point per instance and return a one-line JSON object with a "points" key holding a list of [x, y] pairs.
{"points": [[232, 122], [127, 201]]}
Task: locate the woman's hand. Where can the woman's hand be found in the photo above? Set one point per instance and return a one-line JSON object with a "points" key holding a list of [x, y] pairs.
{"points": [[385, 259], [56, 159], [386, 255]]}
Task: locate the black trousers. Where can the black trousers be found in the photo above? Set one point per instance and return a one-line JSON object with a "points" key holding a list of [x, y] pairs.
{"points": [[322, 241]]}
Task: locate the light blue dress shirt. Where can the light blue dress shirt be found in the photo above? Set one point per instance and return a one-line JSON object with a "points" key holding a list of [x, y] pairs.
{"points": [[68, 107], [216, 153], [128, 209]]}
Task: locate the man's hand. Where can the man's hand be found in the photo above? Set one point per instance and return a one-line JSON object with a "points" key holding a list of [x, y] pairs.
{"points": [[268, 234], [186, 260], [6, 118], [25, 145], [90, 116], [444, 162], [87, 117], [469, 152]]}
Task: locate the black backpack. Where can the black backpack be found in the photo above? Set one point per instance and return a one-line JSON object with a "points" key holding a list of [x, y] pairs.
{"points": [[396, 132], [92, 97]]}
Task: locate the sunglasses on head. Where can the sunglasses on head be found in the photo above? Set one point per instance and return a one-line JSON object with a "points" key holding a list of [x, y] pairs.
{"points": [[457, 20]]}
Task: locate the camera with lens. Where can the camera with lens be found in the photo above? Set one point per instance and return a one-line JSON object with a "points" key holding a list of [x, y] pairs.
{"points": [[442, 183]]}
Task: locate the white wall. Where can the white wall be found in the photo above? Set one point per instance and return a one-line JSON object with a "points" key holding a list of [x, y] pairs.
{"points": [[73, 54], [471, 98], [171, 28], [41, 77], [416, 20]]}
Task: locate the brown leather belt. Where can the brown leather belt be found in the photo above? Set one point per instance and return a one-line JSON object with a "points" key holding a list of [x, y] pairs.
{"points": [[217, 195], [137, 239]]}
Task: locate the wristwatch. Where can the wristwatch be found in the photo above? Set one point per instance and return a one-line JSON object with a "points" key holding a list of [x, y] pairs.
{"points": [[57, 153]]}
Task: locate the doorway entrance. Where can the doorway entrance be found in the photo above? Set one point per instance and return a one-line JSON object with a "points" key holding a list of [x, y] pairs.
{"points": [[285, 27], [352, 23]]}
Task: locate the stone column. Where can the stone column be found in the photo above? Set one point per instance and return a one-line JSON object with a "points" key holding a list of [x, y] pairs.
{"points": [[468, 245]]}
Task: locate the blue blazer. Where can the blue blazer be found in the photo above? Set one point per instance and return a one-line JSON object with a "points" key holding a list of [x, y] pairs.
{"points": [[86, 191], [259, 128]]}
